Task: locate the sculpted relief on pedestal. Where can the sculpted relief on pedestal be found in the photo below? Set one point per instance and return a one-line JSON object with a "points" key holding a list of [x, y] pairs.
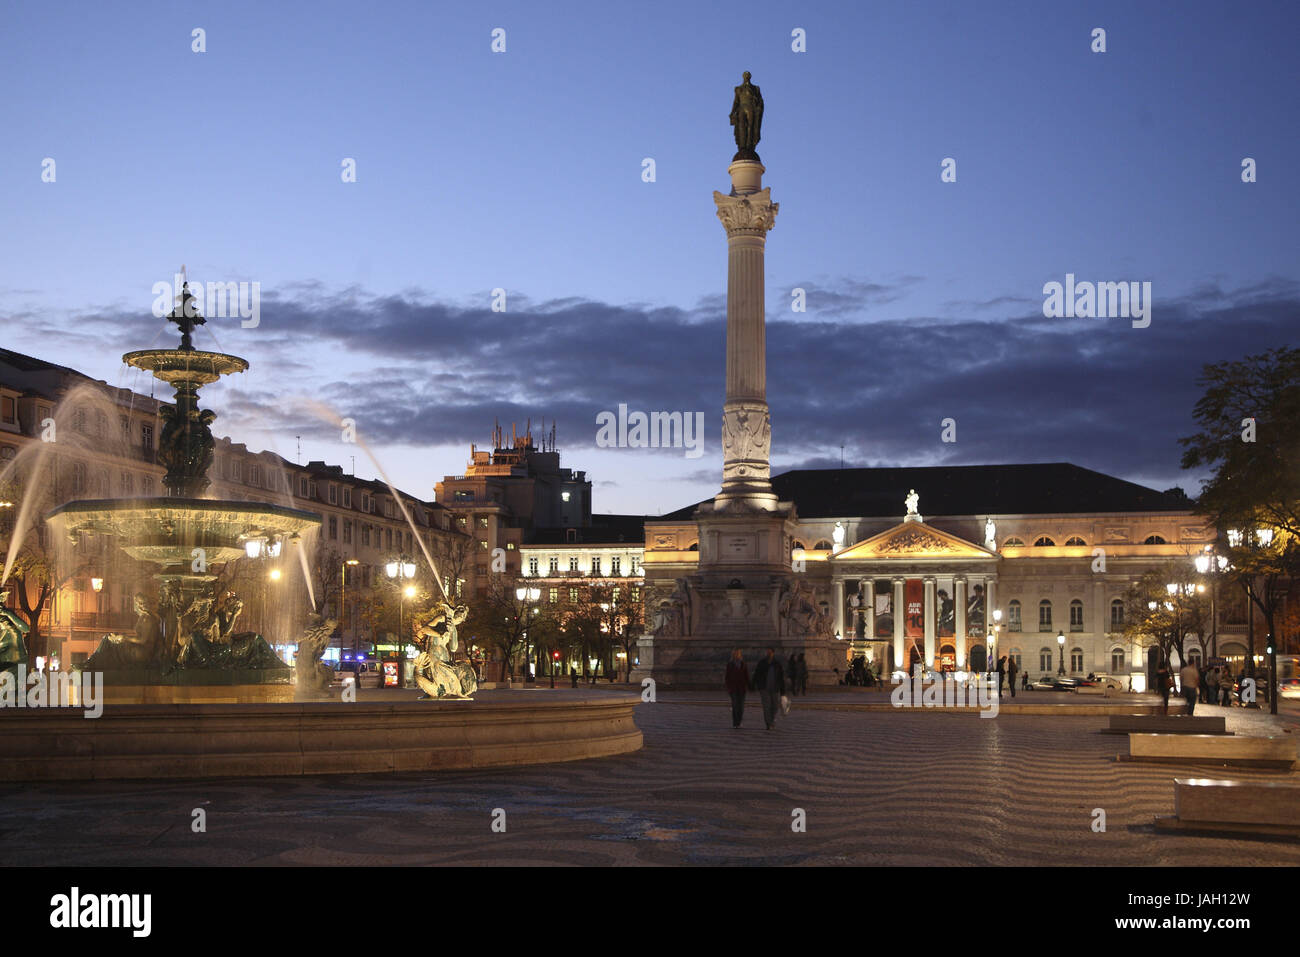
{"points": [[746, 442]]}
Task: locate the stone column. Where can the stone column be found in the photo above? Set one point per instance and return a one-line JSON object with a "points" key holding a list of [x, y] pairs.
{"points": [[837, 598], [929, 623], [869, 613], [746, 214], [959, 600], [900, 659]]}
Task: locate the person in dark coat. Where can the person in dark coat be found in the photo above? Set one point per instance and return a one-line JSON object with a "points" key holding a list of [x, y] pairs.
{"points": [[1011, 675], [737, 685], [1164, 683], [1002, 673], [769, 681]]}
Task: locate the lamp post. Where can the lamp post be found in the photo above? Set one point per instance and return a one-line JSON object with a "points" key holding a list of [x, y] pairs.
{"points": [[401, 569], [1257, 539], [1213, 566], [529, 595], [1060, 644], [343, 601]]}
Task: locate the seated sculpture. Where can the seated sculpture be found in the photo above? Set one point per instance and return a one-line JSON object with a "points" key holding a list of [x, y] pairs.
{"points": [[137, 650], [13, 637], [437, 674], [312, 672]]}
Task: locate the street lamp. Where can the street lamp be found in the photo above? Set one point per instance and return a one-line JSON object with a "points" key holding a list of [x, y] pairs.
{"points": [[343, 601], [529, 595], [1060, 643], [401, 569], [1213, 566]]}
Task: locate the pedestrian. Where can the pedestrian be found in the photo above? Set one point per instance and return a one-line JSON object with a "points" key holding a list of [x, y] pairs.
{"points": [[1212, 686], [792, 671], [1190, 677], [1164, 682], [1002, 669], [1024, 681], [1011, 675], [737, 685], [769, 681], [802, 674], [1203, 686]]}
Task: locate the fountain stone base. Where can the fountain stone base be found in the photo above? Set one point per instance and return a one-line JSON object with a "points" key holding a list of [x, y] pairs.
{"points": [[151, 686]]}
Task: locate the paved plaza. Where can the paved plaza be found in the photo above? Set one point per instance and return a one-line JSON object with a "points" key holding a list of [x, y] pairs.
{"points": [[877, 788]]}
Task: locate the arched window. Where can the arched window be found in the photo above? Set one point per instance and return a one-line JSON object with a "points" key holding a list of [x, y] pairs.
{"points": [[1155, 540], [1117, 661], [1076, 615], [1076, 660], [799, 546], [1043, 542], [1194, 656], [1045, 615], [1013, 615], [1075, 541], [1045, 660], [1116, 614], [823, 545], [695, 547], [1013, 543]]}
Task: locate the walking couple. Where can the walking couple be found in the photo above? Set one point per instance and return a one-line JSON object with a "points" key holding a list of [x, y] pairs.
{"points": [[768, 680]]}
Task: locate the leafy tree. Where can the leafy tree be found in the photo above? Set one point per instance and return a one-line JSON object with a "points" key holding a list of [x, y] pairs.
{"points": [[1154, 616], [499, 618]]}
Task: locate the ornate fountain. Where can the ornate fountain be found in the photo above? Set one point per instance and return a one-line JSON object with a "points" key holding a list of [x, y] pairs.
{"points": [[185, 647]]}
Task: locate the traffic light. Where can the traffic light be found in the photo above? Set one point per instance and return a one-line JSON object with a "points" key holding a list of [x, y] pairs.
{"points": [[556, 655]]}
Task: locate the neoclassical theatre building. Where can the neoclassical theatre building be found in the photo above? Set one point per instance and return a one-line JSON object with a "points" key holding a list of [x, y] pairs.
{"points": [[910, 564]]}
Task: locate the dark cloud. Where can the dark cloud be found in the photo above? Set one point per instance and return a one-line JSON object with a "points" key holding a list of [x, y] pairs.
{"points": [[1020, 388]]}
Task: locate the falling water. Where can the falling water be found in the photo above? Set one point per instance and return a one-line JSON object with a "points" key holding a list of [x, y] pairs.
{"points": [[327, 414]]}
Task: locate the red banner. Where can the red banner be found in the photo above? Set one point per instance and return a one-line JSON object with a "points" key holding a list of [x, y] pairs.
{"points": [[914, 608]]}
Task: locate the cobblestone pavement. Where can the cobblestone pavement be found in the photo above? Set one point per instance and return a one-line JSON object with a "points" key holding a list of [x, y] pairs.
{"points": [[898, 788]]}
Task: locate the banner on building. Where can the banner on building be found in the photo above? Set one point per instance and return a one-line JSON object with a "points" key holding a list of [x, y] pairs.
{"points": [[914, 608]]}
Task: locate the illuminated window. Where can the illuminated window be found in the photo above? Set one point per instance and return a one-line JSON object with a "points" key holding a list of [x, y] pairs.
{"points": [[1155, 540], [1116, 614], [1117, 662], [1075, 542], [1043, 542], [1013, 543], [1044, 615], [1013, 615]]}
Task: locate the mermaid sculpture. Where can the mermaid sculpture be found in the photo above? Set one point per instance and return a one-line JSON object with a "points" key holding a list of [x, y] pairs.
{"points": [[435, 672]]}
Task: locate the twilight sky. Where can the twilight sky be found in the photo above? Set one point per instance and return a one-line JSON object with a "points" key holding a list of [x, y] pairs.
{"points": [[523, 170]]}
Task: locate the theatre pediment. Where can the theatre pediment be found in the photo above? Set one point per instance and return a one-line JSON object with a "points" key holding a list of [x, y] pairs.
{"points": [[913, 540]]}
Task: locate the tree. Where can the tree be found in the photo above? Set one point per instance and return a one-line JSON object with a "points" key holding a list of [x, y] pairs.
{"points": [[453, 556], [1249, 418], [501, 619], [1153, 615]]}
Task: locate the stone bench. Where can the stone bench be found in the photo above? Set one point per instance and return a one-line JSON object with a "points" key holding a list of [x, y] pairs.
{"points": [[1238, 807], [1166, 724], [1273, 751]]}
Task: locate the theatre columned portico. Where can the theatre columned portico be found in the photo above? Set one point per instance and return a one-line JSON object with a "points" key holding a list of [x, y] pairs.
{"points": [[915, 594]]}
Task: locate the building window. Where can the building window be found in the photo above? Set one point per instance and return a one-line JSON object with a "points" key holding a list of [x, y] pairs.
{"points": [[146, 437], [573, 594], [1117, 661], [573, 564], [595, 566], [1044, 615], [532, 567], [334, 527], [1045, 660], [1076, 615], [564, 496], [1014, 655], [365, 534], [1075, 542], [616, 565], [334, 495], [347, 531], [78, 479], [482, 521], [510, 546], [146, 485], [636, 565], [253, 476], [1076, 660], [128, 483], [1013, 615], [571, 535], [1043, 542], [636, 595], [302, 487], [1116, 614], [553, 595], [1013, 543], [347, 498], [554, 566], [1155, 540], [482, 544]]}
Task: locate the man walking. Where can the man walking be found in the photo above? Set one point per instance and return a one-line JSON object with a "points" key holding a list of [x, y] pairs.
{"points": [[770, 682], [737, 685], [1191, 679], [1011, 675], [1002, 669]]}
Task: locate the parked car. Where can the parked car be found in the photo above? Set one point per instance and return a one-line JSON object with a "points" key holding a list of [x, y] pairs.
{"points": [[1054, 683]]}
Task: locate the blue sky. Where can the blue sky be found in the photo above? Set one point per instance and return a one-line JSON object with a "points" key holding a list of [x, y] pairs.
{"points": [[522, 170]]}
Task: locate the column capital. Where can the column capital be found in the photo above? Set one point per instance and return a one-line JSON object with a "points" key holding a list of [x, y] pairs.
{"points": [[751, 215]]}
